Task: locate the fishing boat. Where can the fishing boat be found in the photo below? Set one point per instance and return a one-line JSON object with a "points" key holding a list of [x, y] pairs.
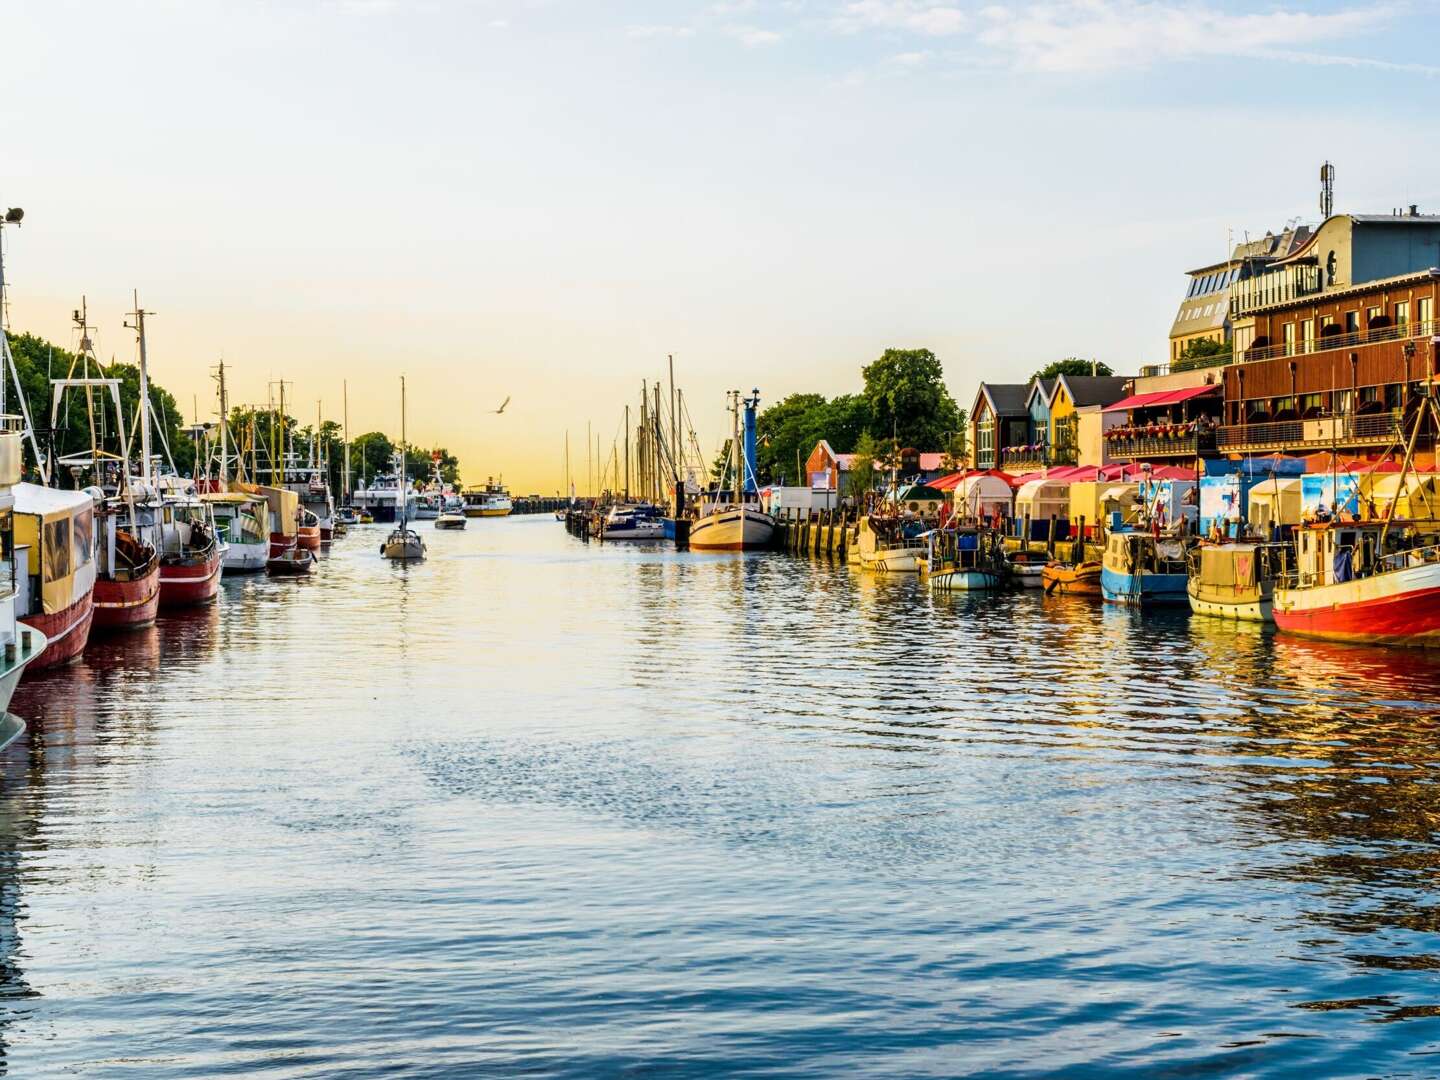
{"points": [[736, 524], [384, 499], [297, 562], [640, 522], [55, 531], [21, 645], [284, 514], [891, 544], [317, 525], [242, 520], [492, 499], [191, 552], [1235, 580], [1140, 568], [127, 572], [1082, 578], [965, 558]]}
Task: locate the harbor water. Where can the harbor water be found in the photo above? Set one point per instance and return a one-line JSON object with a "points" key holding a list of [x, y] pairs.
{"points": [[542, 808]]}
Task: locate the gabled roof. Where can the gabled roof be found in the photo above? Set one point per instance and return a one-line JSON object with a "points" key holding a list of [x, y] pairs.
{"points": [[1043, 387], [1006, 399], [1095, 389]]}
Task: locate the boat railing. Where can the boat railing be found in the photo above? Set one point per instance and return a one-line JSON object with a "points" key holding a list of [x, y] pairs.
{"points": [[10, 424], [1404, 560]]}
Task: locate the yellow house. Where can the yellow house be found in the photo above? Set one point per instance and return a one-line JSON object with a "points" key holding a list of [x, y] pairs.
{"points": [[1074, 392]]}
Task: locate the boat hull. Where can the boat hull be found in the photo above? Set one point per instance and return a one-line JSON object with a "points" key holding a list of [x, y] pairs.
{"points": [[732, 530], [1028, 575], [450, 522], [894, 561], [307, 538], [246, 558], [1248, 605], [964, 581], [66, 632], [487, 511], [1397, 608], [296, 563], [127, 605], [10, 675], [1139, 590], [1082, 580], [280, 543], [190, 583], [642, 532]]}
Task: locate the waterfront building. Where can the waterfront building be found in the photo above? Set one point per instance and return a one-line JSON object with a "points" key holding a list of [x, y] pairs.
{"points": [[1034, 453], [826, 468], [1204, 313], [999, 417], [1077, 398]]}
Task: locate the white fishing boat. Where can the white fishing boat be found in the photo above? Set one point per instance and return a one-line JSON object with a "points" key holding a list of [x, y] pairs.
{"points": [[243, 523], [490, 500], [736, 524], [385, 499], [884, 546], [964, 559]]}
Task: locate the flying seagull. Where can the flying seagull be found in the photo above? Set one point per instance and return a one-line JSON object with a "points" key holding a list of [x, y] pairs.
{"points": [[501, 409]]}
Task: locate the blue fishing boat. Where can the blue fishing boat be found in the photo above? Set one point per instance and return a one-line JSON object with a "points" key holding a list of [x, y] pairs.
{"points": [[1140, 569]]}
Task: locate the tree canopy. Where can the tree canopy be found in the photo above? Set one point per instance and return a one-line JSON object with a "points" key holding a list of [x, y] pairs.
{"points": [[905, 390], [1072, 365]]}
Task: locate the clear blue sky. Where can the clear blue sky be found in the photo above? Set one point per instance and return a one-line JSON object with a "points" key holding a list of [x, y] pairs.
{"points": [[543, 198]]}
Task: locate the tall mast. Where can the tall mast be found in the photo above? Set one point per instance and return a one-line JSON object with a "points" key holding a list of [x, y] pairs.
{"points": [[674, 429], [735, 439], [627, 453], [139, 327], [345, 415], [589, 464], [568, 492], [224, 430], [403, 490]]}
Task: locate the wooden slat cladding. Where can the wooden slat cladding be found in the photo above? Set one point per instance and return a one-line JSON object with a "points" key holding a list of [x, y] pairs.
{"points": [[1374, 364], [1268, 323]]}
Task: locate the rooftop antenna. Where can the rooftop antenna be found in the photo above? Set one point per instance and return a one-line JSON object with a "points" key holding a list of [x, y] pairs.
{"points": [[1327, 190]]}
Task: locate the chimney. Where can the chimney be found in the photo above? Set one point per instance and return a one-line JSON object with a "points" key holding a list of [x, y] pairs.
{"points": [[1414, 209]]}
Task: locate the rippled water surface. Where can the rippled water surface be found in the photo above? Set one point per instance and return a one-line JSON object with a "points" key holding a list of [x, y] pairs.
{"points": [[546, 809]]}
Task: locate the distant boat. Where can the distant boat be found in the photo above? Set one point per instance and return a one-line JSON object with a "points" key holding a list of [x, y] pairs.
{"points": [[403, 544], [490, 500], [451, 519], [736, 524], [633, 523], [296, 562], [884, 546]]}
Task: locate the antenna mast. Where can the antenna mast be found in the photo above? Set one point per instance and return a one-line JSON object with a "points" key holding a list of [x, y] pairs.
{"points": [[1327, 190]]}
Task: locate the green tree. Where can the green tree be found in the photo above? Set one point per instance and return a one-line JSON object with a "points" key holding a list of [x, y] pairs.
{"points": [[907, 397], [1200, 352], [783, 436], [1072, 365], [861, 477], [957, 450]]}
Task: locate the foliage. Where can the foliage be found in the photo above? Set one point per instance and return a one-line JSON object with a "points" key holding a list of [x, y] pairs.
{"points": [[905, 390], [956, 455], [861, 477], [1072, 365]]}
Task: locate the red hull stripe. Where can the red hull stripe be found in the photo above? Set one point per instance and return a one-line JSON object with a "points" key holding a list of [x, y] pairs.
{"points": [[1407, 617], [68, 631], [124, 604]]}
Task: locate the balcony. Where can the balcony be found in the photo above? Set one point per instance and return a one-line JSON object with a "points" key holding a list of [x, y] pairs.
{"points": [[1144, 447], [1023, 459], [1326, 343], [1379, 429]]}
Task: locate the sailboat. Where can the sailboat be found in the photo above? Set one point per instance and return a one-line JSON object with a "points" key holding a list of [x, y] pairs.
{"points": [[736, 524], [403, 544]]}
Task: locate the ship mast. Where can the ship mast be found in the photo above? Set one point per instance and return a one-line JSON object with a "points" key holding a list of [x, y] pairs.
{"points": [[345, 416], [139, 327], [224, 428]]}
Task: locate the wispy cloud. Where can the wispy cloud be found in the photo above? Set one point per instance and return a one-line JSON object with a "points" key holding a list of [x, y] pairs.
{"points": [[753, 37], [914, 16], [659, 31], [1102, 35]]}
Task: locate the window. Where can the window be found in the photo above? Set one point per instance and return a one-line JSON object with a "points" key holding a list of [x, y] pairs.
{"points": [[56, 562], [1326, 320], [1402, 313], [84, 537], [1307, 336], [1352, 322], [1425, 311], [1287, 336], [1372, 316]]}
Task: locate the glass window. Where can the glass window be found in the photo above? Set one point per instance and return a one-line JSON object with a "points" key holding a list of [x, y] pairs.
{"points": [[1352, 322], [1424, 310], [1371, 315], [1307, 335], [55, 564], [1287, 335], [84, 537], [1402, 313]]}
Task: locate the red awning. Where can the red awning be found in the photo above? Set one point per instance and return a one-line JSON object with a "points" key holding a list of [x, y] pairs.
{"points": [[954, 480], [1160, 397]]}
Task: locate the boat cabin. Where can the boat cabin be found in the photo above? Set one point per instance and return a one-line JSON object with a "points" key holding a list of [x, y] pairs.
{"points": [[1330, 553], [1144, 553], [56, 530]]}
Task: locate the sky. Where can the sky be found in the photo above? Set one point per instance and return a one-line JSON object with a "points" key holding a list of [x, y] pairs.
{"points": [[543, 199]]}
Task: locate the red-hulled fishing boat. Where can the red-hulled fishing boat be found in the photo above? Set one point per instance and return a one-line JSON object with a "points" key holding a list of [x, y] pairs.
{"points": [[307, 531], [190, 561], [284, 517], [55, 530], [127, 581]]}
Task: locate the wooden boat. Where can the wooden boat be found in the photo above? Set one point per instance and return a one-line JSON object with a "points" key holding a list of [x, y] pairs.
{"points": [[297, 562], [966, 558], [884, 547], [307, 531], [1234, 580], [732, 528], [1140, 569], [1080, 578], [127, 581], [55, 538], [1361, 582]]}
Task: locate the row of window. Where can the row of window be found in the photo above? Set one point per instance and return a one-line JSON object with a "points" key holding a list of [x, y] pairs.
{"points": [[1208, 283], [1199, 311], [1303, 333]]}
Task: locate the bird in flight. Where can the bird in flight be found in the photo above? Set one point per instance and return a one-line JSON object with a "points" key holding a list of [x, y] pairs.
{"points": [[501, 409]]}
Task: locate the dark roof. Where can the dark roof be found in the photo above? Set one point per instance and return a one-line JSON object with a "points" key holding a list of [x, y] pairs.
{"points": [[1395, 219], [1009, 399], [1096, 390]]}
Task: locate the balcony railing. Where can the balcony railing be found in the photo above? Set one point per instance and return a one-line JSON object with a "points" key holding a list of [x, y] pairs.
{"points": [[1320, 433], [1279, 287], [1153, 446], [1024, 458], [1324, 343]]}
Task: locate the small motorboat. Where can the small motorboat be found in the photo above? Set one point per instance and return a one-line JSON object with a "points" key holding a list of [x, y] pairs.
{"points": [[632, 523], [296, 562], [403, 545], [347, 515], [1027, 568], [365, 517], [450, 519]]}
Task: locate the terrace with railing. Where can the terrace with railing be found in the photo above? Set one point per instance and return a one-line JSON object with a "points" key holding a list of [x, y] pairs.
{"points": [[1326, 342], [1377, 429]]}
